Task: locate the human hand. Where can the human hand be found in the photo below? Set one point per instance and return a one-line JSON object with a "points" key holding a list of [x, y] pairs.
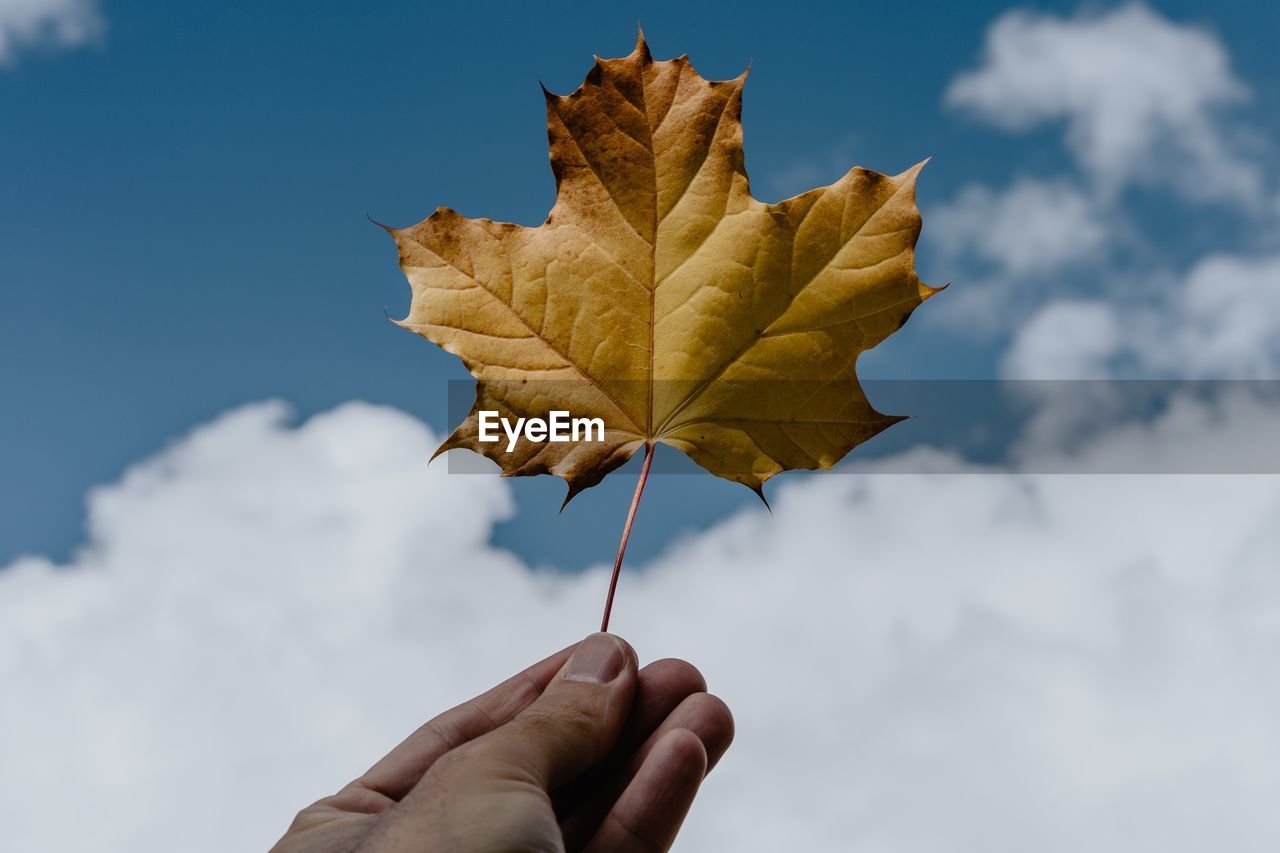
{"points": [[582, 751]]}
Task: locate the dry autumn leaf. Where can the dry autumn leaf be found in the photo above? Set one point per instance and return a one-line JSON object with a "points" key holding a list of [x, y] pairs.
{"points": [[660, 297]]}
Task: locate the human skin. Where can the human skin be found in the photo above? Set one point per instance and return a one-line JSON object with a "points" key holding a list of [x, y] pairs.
{"points": [[583, 751]]}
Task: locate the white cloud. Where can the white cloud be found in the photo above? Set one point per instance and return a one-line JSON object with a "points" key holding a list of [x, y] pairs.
{"points": [[1141, 95], [60, 24], [1143, 99], [918, 663], [1034, 226], [1004, 247], [1204, 430], [1221, 320], [1065, 340]]}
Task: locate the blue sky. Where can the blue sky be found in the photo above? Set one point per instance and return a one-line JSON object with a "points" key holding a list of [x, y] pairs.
{"points": [[182, 219]]}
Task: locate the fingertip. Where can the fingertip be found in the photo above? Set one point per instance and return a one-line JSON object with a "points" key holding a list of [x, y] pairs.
{"points": [[719, 729], [683, 753], [708, 717], [679, 672], [632, 659], [666, 682], [599, 659]]}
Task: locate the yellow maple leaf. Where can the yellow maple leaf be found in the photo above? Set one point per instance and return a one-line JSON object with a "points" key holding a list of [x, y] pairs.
{"points": [[660, 297]]}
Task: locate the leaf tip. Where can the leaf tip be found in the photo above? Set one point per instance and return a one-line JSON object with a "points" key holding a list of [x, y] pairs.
{"points": [[758, 488], [928, 291], [913, 174], [765, 501], [572, 492], [549, 96], [642, 46], [457, 439]]}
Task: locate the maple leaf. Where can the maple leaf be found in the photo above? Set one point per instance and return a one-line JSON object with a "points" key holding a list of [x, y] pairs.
{"points": [[661, 297]]}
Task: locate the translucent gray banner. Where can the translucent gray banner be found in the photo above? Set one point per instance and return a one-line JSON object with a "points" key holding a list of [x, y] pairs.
{"points": [[950, 426]]}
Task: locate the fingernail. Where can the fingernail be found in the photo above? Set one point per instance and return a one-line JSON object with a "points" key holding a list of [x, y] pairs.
{"points": [[597, 660]]}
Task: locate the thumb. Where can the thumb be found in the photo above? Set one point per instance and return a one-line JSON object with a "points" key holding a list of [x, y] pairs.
{"points": [[575, 722]]}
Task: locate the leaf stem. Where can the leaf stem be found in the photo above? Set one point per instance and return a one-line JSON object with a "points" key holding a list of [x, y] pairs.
{"points": [[626, 534]]}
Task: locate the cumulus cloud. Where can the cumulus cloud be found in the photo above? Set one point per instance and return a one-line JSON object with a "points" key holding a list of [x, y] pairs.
{"points": [[1008, 244], [952, 660], [1065, 340], [1198, 428], [1221, 320], [1143, 97], [54, 24], [1033, 226]]}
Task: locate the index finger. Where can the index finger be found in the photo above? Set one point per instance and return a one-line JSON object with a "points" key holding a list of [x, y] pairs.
{"points": [[396, 773]]}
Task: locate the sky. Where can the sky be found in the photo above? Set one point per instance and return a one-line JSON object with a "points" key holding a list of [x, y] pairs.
{"points": [[183, 222], [220, 541]]}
